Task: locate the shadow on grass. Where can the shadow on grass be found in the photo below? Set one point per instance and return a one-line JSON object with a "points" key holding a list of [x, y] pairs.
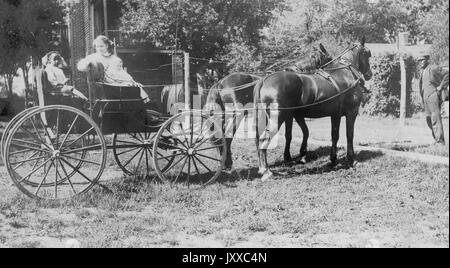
{"points": [[317, 163]]}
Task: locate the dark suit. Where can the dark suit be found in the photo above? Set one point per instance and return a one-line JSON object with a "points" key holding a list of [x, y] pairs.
{"points": [[433, 79]]}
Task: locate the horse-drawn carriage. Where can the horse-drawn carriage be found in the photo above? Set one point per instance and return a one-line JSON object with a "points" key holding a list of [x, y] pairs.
{"points": [[58, 149]]}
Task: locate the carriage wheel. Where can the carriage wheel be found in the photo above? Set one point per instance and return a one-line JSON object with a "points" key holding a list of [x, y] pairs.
{"points": [[133, 152], [49, 156], [10, 125], [196, 147]]}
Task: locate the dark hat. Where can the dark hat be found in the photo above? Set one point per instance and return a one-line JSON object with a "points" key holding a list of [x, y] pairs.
{"points": [[424, 56]]}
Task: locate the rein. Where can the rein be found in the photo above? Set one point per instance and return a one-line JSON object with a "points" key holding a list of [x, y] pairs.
{"points": [[350, 48], [233, 89]]}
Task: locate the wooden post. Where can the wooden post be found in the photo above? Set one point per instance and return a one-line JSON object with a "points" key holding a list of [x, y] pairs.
{"points": [[403, 94], [187, 90], [105, 16], [403, 41]]}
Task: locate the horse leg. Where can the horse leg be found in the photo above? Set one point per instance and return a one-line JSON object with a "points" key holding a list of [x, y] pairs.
{"points": [[335, 126], [288, 135], [270, 131], [350, 123], [304, 149], [229, 161]]}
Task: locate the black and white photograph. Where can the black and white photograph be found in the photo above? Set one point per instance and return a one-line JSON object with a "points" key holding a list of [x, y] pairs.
{"points": [[224, 124]]}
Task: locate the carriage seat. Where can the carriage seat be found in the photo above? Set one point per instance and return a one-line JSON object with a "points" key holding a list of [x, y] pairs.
{"points": [[46, 94]]}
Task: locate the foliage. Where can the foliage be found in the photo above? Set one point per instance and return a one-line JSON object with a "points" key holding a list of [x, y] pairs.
{"points": [[205, 29], [27, 29], [385, 86], [241, 58], [436, 25]]}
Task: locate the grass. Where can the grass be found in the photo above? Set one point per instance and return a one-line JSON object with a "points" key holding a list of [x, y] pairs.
{"points": [[384, 201], [400, 203]]}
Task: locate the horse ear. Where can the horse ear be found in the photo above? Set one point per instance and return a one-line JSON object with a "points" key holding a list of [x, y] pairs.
{"points": [[363, 41], [322, 48]]}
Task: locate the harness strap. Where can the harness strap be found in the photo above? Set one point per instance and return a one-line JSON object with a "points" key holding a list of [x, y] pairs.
{"points": [[330, 78]]}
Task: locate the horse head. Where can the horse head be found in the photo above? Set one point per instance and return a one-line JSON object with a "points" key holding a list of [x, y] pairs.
{"points": [[323, 57], [359, 56]]}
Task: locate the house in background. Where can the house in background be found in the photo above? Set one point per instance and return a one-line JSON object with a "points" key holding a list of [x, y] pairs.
{"points": [[157, 69]]}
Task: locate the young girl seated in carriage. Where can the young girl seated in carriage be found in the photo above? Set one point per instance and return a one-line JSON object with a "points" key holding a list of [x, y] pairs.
{"points": [[53, 63], [113, 72]]}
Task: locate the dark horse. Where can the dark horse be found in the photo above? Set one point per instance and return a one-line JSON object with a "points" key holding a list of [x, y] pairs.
{"points": [[334, 92], [233, 97]]}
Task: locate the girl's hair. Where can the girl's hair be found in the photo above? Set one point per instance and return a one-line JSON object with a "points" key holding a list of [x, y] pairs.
{"points": [[105, 40], [50, 55]]}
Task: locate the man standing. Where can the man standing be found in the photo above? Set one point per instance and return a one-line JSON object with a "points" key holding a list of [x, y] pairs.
{"points": [[433, 80]]}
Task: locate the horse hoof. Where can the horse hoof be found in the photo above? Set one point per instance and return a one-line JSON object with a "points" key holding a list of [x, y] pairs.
{"points": [[228, 169], [303, 160], [267, 176], [262, 171]]}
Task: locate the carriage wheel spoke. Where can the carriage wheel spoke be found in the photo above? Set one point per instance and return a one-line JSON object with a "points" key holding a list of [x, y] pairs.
{"points": [[45, 128], [177, 138], [131, 159], [20, 152], [43, 180], [36, 163], [77, 139], [56, 180], [191, 119], [34, 171], [174, 165], [69, 131], [34, 138], [57, 130], [204, 129], [203, 164], [196, 167], [142, 138], [146, 161], [28, 143], [121, 153], [127, 142], [30, 148], [92, 147], [181, 170], [33, 155], [67, 176], [170, 156], [77, 170], [189, 171], [207, 139], [172, 146], [28, 160], [36, 130], [83, 160], [134, 135], [214, 159], [140, 160], [184, 136]]}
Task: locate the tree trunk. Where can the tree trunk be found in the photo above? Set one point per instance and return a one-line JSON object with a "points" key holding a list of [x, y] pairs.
{"points": [[26, 82], [9, 82]]}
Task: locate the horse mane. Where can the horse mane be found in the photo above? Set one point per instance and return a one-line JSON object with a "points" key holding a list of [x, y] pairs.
{"points": [[307, 64]]}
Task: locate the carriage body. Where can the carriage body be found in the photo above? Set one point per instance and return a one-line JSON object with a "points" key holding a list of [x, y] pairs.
{"points": [[58, 148]]}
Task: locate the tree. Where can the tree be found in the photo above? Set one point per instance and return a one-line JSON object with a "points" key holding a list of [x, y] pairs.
{"points": [[204, 28], [435, 25], [27, 29]]}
